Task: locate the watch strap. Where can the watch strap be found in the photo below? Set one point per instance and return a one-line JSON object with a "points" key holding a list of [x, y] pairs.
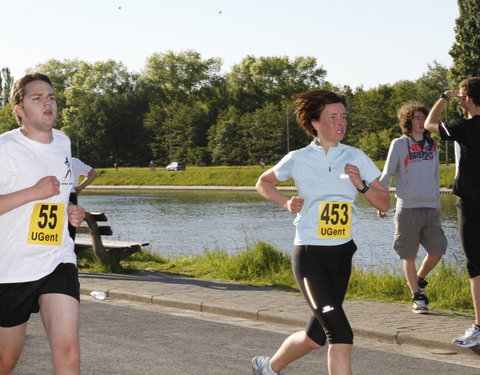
{"points": [[365, 187], [444, 96]]}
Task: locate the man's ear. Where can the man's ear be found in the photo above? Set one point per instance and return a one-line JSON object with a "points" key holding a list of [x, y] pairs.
{"points": [[17, 109]]}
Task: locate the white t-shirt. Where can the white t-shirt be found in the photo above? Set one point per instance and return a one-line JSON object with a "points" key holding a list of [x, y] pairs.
{"points": [[320, 177], [79, 168], [34, 237]]}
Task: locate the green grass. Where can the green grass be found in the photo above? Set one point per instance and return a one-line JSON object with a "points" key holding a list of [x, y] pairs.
{"points": [[211, 176], [263, 265]]}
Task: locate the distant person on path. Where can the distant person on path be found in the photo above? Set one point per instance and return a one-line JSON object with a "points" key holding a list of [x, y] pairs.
{"points": [[152, 165], [38, 265], [413, 160], [79, 168], [262, 163], [466, 132], [328, 175]]}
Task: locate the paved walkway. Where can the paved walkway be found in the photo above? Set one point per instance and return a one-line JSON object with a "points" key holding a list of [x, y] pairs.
{"points": [[381, 321]]}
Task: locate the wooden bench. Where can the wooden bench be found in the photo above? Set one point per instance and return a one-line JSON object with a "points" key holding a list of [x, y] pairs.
{"points": [[109, 252]]}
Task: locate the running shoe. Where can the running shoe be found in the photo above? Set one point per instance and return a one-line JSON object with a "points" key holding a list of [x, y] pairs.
{"points": [[469, 339], [261, 366], [420, 303]]}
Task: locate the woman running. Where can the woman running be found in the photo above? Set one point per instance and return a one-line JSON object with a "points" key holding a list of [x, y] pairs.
{"points": [[328, 176]]}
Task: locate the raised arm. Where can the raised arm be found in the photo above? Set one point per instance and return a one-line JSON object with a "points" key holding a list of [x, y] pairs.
{"points": [[433, 118]]}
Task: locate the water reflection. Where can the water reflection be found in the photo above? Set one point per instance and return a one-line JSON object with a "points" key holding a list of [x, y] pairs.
{"points": [[186, 223]]}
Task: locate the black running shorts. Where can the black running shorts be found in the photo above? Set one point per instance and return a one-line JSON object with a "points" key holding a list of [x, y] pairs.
{"points": [[19, 300]]}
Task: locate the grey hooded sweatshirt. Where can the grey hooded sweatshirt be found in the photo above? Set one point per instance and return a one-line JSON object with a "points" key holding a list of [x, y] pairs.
{"points": [[415, 167]]}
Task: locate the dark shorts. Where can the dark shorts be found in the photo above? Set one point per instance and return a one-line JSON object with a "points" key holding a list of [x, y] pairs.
{"points": [[19, 300], [418, 226], [468, 223]]}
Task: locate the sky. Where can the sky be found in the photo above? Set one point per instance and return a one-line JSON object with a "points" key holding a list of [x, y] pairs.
{"points": [[358, 42]]}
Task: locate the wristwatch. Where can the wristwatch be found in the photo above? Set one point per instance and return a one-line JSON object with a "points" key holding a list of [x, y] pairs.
{"points": [[444, 96], [365, 188]]}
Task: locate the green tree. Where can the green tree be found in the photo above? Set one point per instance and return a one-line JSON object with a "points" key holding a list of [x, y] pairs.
{"points": [[256, 81], [466, 49], [7, 119], [180, 77], [171, 83], [104, 115], [177, 131], [226, 138], [370, 113], [6, 83], [376, 145], [432, 83], [265, 135]]}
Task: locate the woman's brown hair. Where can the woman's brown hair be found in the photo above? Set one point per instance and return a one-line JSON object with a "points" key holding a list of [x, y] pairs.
{"points": [[311, 104]]}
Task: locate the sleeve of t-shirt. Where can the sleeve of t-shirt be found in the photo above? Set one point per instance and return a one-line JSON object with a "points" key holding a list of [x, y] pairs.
{"points": [[368, 170], [452, 130], [284, 168], [83, 168], [390, 166]]}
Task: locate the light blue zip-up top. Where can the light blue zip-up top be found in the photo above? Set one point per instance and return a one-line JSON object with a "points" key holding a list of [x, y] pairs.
{"points": [[320, 176]]}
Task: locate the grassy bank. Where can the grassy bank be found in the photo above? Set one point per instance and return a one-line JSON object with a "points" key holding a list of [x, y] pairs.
{"points": [[210, 176], [262, 264]]}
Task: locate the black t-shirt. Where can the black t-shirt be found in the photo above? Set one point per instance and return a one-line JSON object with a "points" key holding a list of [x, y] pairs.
{"points": [[467, 134]]}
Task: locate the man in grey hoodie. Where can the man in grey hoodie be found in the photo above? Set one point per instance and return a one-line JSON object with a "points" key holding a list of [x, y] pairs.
{"points": [[413, 160]]}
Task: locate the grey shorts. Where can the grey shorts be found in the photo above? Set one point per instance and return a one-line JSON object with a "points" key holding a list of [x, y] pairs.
{"points": [[418, 226]]}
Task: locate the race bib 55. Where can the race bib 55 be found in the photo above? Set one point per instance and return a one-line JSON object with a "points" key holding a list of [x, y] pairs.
{"points": [[46, 224]]}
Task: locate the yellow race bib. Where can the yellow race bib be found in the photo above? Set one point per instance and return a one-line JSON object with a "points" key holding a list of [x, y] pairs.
{"points": [[46, 224], [334, 219]]}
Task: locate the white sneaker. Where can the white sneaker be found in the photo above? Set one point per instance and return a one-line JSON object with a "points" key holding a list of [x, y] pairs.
{"points": [[420, 303], [469, 339], [261, 366]]}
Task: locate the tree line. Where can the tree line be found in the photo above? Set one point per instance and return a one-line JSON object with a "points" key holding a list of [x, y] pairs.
{"points": [[182, 107]]}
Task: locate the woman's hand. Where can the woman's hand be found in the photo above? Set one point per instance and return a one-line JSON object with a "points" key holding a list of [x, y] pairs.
{"points": [[381, 214], [294, 204], [354, 174]]}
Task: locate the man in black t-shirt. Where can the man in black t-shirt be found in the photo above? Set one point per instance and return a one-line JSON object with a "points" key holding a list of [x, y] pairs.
{"points": [[466, 132]]}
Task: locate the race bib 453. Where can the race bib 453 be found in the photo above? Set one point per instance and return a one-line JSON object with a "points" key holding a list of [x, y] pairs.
{"points": [[46, 224], [334, 219]]}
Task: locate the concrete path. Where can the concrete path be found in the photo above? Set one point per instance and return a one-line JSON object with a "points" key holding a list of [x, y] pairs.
{"points": [[381, 321]]}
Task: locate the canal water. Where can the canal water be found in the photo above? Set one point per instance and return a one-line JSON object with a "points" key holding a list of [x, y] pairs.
{"points": [[188, 222]]}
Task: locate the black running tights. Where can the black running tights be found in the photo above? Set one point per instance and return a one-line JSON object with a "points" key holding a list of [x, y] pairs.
{"points": [[322, 273]]}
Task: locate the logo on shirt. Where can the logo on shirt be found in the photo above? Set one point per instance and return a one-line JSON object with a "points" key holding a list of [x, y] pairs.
{"points": [[420, 151], [69, 169]]}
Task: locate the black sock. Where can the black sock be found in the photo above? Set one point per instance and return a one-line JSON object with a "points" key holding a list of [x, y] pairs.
{"points": [[422, 283]]}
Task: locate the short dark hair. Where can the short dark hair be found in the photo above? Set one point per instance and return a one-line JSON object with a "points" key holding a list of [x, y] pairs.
{"points": [[18, 89], [471, 87], [311, 104], [407, 112]]}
